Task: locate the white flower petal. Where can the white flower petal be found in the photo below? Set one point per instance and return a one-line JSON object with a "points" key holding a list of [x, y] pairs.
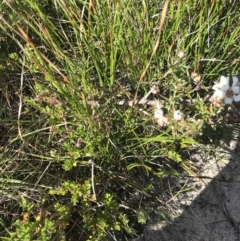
{"points": [[225, 88], [236, 98], [224, 80], [219, 93], [158, 113], [177, 115], [235, 80], [235, 89], [217, 87], [228, 101]]}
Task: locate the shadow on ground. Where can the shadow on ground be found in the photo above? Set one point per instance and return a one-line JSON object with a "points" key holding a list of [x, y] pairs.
{"points": [[209, 213]]}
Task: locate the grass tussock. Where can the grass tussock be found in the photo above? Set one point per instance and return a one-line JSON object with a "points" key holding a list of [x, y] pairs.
{"points": [[81, 159]]}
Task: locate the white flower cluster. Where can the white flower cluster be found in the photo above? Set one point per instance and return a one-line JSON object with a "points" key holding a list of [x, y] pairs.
{"points": [[225, 91], [164, 120], [159, 115]]}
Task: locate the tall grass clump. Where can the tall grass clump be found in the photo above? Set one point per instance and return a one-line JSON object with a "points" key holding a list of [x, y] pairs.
{"points": [[108, 98]]}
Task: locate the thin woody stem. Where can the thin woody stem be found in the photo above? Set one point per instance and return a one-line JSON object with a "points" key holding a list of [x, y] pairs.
{"points": [[129, 103], [143, 101]]}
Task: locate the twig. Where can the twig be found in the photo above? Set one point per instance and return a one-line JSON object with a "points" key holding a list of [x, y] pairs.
{"points": [[21, 97], [212, 60], [39, 179], [92, 177], [143, 101]]}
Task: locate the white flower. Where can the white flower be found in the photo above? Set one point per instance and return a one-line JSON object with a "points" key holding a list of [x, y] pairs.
{"points": [[158, 113], [226, 92], [178, 115], [181, 54], [159, 116]]}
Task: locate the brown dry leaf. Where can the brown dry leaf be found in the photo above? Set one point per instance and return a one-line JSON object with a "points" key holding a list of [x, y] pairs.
{"points": [[155, 89], [216, 101], [164, 121], [196, 77], [181, 54]]}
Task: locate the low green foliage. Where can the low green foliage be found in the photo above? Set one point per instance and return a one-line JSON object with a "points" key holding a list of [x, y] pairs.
{"points": [[85, 166], [98, 216]]}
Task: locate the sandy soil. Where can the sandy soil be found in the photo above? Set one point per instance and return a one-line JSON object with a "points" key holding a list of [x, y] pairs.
{"points": [[210, 212]]}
